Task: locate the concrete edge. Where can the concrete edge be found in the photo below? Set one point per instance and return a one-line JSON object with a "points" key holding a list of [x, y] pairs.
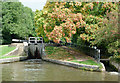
{"points": [[75, 65], [11, 52], [13, 59], [103, 67]]}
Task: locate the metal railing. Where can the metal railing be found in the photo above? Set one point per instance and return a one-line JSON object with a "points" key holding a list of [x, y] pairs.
{"points": [[35, 40], [91, 51]]}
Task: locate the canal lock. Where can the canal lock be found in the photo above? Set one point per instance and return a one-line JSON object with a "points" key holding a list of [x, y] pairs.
{"points": [[35, 51], [35, 48]]}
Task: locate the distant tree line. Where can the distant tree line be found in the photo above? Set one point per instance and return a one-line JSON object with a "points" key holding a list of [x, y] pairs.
{"points": [[17, 21]]}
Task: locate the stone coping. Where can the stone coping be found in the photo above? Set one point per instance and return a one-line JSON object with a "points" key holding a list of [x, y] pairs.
{"points": [[76, 65], [13, 59]]}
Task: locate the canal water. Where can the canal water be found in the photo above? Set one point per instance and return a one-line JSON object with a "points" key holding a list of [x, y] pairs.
{"points": [[37, 70]]}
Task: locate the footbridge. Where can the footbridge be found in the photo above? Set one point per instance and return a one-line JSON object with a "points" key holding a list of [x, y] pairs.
{"points": [[34, 48]]}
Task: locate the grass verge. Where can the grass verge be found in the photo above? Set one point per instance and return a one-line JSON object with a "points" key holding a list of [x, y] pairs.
{"points": [[5, 57], [5, 49], [87, 62], [58, 53], [62, 54]]}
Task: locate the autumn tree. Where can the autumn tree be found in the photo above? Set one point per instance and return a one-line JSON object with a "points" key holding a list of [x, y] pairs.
{"points": [[71, 20]]}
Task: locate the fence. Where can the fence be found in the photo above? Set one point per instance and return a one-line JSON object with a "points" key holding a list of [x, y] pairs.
{"points": [[91, 51]]}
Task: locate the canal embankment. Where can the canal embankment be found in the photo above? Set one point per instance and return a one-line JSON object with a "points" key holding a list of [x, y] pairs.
{"points": [[59, 55], [77, 65], [6, 50], [15, 55], [13, 59], [71, 57]]}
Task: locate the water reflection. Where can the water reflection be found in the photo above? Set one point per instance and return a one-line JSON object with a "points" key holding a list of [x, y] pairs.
{"points": [[37, 70]]}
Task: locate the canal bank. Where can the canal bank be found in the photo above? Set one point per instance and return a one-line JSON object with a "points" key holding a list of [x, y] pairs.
{"points": [[37, 70], [18, 54], [77, 65], [22, 49], [72, 57], [13, 59]]}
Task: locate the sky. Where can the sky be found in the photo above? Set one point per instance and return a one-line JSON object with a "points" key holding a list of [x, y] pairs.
{"points": [[34, 4]]}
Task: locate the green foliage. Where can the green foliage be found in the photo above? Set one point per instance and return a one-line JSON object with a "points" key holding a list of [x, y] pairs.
{"points": [[117, 58], [80, 41], [39, 22], [85, 23], [17, 21], [108, 35]]}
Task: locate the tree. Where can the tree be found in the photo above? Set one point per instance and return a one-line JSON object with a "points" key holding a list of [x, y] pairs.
{"points": [[71, 20], [86, 23], [17, 21], [108, 36]]}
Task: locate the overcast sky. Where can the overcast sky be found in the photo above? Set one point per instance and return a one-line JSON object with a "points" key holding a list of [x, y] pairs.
{"points": [[34, 4]]}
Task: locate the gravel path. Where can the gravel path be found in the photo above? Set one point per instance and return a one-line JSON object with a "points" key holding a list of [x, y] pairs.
{"points": [[20, 47]]}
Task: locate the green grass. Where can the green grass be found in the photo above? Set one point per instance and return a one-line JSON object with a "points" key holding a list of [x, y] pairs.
{"points": [[4, 57], [88, 62], [5, 49], [62, 54], [58, 53]]}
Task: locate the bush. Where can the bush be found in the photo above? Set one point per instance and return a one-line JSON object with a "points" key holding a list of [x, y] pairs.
{"points": [[108, 35], [116, 59]]}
